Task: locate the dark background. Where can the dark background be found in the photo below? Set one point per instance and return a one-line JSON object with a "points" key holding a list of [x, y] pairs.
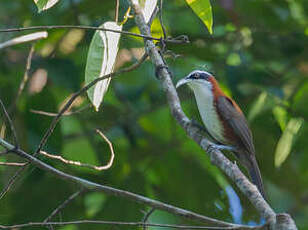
{"points": [[258, 53]]}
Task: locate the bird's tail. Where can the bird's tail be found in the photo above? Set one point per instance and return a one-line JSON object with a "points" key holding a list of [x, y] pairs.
{"points": [[256, 175]]}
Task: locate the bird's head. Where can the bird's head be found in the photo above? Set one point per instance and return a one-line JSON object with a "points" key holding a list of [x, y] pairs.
{"points": [[197, 79]]}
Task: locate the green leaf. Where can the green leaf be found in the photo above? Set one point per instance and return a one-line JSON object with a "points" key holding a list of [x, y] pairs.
{"points": [[257, 106], [101, 58], [203, 10], [280, 115], [45, 4], [285, 142]]}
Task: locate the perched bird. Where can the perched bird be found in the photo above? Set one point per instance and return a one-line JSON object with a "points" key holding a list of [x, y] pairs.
{"points": [[224, 121]]}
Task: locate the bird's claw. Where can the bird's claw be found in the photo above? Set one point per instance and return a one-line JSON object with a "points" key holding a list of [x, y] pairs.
{"points": [[159, 68]]}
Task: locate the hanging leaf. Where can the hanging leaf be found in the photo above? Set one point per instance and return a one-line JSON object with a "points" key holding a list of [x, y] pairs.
{"points": [[203, 10], [101, 58], [280, 115], [148, 7], [258, 106], [45, 4], [285, 142]]}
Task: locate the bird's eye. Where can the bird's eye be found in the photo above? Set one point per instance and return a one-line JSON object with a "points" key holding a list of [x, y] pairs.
{"points": [[197, 75]]}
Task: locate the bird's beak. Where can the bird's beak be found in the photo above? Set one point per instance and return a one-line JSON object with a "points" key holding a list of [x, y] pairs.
{"points": [[183, 81]]}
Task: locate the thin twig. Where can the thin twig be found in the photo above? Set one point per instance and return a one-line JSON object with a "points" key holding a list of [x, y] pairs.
{"points": [[63, 205], [146, 217], [10, 123], [119, 223], [49, 114], [109, 164], [171, 40], [24, 79], [11, 181], [12, 164], [98, 168], [116, 15], [161, 18], [23, 39]]}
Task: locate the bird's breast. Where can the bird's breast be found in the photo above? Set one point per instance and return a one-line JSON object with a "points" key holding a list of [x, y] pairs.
{"points": [[209, 115]]}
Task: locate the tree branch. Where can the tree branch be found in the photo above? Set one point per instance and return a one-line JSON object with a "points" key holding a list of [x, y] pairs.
{"points": [[117, 192], [168, 40], [24, 39], [118, 223], [217, 158]]}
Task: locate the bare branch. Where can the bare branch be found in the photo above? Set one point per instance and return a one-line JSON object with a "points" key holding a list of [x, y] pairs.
{"points": [[116, 15], [12, 180], [118, 223], [146, 217], [10, 123], [12, 164], [23, 39], [49, 114], [117, 192], [169, 40], [63, 205], [98, 168], [109, 164], [24, 79]]}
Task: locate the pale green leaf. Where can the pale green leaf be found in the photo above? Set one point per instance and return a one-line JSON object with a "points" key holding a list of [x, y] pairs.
{"points": [[203, 10], [101, 59], [280, 115], [257, 106], [45, 4], [285, 142]]}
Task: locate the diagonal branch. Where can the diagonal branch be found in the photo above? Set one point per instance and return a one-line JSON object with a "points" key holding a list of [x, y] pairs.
{"points": [[86, 165], [217, 158], [64, 204]]}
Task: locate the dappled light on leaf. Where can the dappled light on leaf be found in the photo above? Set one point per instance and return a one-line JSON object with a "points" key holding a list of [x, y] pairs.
{"points": [[100, 62], [203, 10], [45, 4], [285, 142]]}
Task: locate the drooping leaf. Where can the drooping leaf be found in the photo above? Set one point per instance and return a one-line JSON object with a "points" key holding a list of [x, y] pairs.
{"points": [[203, 10], [45, 4], [101, 58], [285, 142], [258, 106], [280, 115]]}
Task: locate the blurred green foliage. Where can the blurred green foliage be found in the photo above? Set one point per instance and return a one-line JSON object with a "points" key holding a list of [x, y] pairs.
{"points": [[258, 52]]}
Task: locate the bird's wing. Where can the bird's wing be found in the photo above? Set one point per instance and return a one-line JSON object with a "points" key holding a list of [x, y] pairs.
{"points": [[236, 120]]}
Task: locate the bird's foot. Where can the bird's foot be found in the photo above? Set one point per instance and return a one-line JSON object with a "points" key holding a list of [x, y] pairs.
{"points": [[197, 124], [221, 147]]}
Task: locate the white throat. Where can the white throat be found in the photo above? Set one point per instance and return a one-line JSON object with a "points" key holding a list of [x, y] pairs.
{"points": [[208, 113]]}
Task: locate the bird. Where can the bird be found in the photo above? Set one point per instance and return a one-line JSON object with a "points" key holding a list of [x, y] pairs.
{"points": [[224, 121]]}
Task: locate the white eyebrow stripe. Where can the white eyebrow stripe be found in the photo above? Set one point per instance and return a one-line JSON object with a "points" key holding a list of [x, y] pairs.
{"points": [[200, 72]]}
